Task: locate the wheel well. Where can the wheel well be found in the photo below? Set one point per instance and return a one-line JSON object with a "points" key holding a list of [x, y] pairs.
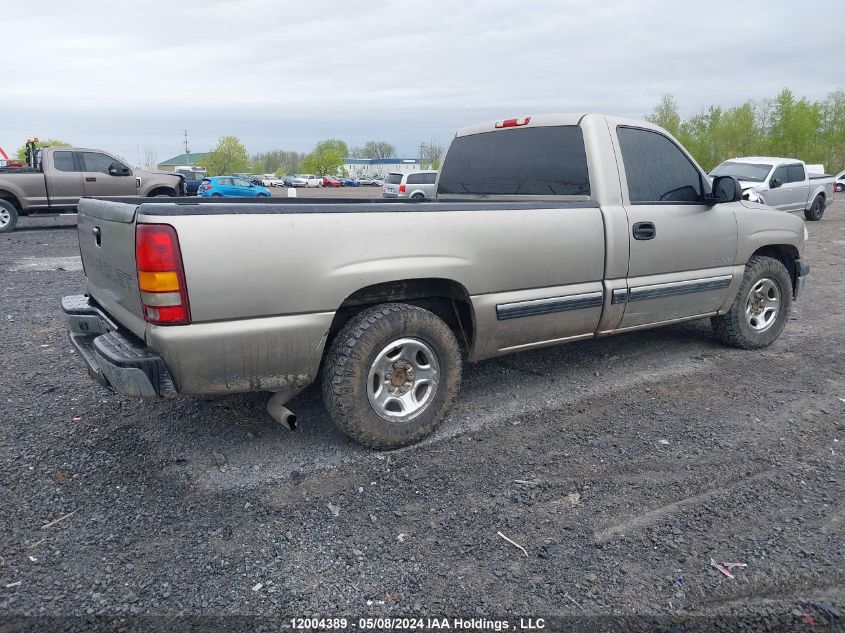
{"points": [[11, 198], [785, 253], [158, 191], [448, 299]]}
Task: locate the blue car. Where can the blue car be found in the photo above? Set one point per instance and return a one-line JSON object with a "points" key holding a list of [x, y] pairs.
{"points": [[350, 182], [231, 187]]}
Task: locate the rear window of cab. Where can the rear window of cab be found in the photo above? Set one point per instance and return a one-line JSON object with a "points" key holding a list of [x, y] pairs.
{"points": [[528, 161]]}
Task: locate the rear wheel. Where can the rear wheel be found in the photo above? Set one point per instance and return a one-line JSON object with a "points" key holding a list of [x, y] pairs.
{"points": [[8, 217], [261, 195], [216, 195], [761, 307], [816, 210], [391, 375], [418, 197]]}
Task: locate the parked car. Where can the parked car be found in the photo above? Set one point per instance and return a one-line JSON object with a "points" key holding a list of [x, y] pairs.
{"points": [[370, 182], [839, 182], [193, 179], [416, 185], [273, 181], [61, 176], [351, 182], [288, 180], [232, 187], [782, 183], [331, 181], [306, 180], [525, 247]]}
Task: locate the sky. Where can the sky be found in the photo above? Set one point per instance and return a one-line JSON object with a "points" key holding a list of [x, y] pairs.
{"points": [[130, 77]]}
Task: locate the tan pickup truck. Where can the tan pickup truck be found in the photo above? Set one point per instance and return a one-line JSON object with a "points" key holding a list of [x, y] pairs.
{"points": [[545, 230], [61, 176]]}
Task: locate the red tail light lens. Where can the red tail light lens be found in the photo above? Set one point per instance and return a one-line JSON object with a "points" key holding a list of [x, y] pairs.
{"points": [[401, 188], [513, 122], [161, 276]]}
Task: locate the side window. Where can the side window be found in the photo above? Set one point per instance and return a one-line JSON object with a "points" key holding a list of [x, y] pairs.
{"points": [[94, 161], [224, 181], [795, 173], [780, 175], [429, 179], [415, 179], [241, 183], [657, 170], [63, 161]]}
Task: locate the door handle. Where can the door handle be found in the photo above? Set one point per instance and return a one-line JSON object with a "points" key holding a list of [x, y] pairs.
{"points": [[90, 179], [644, 231], [96, 232]]}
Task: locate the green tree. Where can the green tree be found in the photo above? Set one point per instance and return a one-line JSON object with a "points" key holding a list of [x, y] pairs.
{"points": [[47, 142], [229, 157], [335, 144], [666, 115], [323, 162]]}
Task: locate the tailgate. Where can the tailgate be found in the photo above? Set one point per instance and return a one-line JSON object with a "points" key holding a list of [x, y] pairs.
{"points": [[107, 245]]}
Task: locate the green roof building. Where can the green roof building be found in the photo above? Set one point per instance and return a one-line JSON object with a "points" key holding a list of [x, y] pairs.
{"points": [[182, 160]]}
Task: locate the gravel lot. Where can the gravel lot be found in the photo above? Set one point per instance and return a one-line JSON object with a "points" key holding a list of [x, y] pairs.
{"points": [[622, 466]]}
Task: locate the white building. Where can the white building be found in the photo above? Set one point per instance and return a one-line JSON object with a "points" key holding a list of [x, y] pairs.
{"points": [[379, 167]]}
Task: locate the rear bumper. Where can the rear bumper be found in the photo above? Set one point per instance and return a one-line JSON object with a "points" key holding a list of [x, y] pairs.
{"points": [[115, 360], [802, 271]]}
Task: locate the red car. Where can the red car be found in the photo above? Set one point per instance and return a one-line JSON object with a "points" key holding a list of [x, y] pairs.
{"points": [[330, 181]]}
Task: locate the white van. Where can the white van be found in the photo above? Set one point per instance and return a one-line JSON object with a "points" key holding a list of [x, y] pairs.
{"points": [[416, 185]]}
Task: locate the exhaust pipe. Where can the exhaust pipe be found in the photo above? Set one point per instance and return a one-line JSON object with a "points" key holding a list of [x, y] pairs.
{"points": [[279, 412]]}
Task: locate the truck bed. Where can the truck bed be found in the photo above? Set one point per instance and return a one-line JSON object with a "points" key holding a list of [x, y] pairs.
{"points": [[239, 206]]}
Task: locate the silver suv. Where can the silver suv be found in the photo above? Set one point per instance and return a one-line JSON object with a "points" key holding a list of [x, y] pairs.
{"points": [[416, 185]]}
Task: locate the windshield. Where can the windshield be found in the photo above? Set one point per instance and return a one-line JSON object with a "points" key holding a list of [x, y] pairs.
{"points": [[743, 171]]}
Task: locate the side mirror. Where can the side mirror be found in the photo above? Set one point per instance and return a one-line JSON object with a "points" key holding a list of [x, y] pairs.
{"points": [[774, 183], [726, 189]]}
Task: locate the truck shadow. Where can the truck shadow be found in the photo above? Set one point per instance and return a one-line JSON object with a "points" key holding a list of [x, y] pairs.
{"points": [[231, 442]]}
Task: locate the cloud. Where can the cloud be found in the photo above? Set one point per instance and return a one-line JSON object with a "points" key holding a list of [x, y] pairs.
{"points": [[282, 74]]}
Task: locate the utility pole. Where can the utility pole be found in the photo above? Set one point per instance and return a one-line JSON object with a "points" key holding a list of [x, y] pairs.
{"points": [[187, 151]]}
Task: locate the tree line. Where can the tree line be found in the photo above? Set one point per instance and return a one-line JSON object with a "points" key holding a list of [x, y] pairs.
{"points": [[231, 156], [812, 131]]}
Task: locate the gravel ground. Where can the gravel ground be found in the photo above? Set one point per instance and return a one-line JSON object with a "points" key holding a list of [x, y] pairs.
{"points": [[622, 466]]}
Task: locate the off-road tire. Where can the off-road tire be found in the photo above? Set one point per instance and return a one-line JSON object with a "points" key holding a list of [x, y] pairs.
{"points": [[347, 366], [816, 210], [733, 327], [10, 216]]}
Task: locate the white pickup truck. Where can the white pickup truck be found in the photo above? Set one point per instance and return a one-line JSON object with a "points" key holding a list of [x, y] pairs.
{"points": [[786, 184], [545, 230]]}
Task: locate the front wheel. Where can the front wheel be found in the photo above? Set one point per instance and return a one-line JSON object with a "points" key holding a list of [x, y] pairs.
{"points": [[261, 195], [760, 308], [391, 375], [8, 217], [816, 210]]}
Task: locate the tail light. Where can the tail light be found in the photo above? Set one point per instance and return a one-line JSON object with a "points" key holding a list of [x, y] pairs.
{"points": [[513, 122], [161, 276], [401, 188]]}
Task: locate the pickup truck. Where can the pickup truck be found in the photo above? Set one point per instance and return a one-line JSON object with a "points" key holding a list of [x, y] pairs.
{"points": [[63, 175], [546, 229], [786, 184]]}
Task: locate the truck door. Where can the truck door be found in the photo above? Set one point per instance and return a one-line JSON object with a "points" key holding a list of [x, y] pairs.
{"points": [[64, 179], [798, 187], [778, 195], [104, 175], [682, 251]]}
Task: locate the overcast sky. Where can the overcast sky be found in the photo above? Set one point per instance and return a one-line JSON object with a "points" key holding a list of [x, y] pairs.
{"points": [[125, 76]]}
